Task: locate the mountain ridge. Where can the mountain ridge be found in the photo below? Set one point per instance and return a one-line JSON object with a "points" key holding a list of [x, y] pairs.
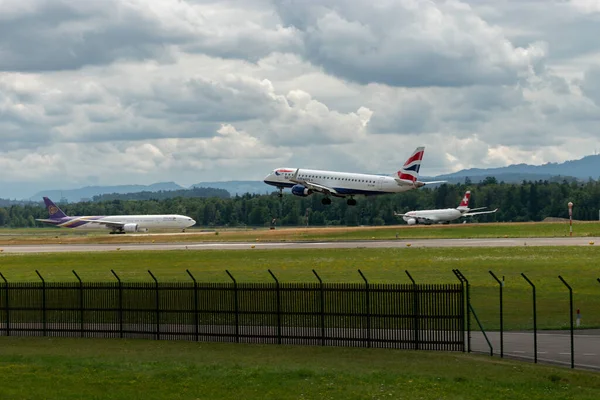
{"points": [[582, 169]]}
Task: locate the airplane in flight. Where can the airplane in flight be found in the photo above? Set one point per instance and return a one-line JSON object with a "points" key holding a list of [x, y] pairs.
{"points": [[305, 182], [429, 217], [116, 223]]}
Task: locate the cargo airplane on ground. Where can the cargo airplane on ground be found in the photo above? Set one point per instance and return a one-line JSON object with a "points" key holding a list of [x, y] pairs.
{"points": [[304, 182], [428, 217], [116, 223]]}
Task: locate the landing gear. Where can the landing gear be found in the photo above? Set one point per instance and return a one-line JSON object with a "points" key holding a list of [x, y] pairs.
{"points": [[351, 202], [326, 201], [280, 194]]}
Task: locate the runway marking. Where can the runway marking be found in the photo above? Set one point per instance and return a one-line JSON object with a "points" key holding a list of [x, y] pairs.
{"points": [[589, 354], [565, 354]]}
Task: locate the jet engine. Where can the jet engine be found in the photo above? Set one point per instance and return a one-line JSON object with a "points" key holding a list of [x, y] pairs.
{"points": [[301, 191], [411, 221], [130, 228]]}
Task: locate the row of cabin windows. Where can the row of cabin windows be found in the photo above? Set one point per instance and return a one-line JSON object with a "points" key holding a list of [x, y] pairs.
{"points": [[327, 177]]}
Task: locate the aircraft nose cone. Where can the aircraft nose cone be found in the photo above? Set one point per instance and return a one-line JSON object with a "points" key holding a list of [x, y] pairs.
{"points": [[192, 222]]}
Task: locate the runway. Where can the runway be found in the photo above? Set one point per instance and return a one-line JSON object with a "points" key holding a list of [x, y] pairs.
{"points": [[418, 243]]}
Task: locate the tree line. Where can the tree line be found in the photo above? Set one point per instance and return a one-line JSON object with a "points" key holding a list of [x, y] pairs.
{"points": [[528, 201]]}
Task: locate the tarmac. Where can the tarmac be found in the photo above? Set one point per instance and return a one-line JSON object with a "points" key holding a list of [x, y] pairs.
{"points": [[493, 242]]}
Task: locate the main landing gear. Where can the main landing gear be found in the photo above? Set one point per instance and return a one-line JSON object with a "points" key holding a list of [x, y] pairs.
{"points": [[351, 202], [280, 194]]}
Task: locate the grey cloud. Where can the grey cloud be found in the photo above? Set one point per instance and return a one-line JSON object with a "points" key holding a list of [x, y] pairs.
{"points": [[568, 32], [62, 35], [411, 114], [591, 84], [56, 35], [407, 44]]}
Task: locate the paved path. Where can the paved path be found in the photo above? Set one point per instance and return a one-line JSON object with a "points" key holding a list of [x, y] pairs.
{"points": [[495, 242], [553, 347]]}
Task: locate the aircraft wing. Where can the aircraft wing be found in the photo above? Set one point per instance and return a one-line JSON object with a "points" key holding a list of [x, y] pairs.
{"points": [[110, 224], [470, 214], [315, 187]]}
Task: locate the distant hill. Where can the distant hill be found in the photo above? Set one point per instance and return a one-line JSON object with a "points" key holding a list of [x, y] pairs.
{"points": [[505, 177], [88, 192], [585, 168], [165, 194], [8, 203], [239, 187]]}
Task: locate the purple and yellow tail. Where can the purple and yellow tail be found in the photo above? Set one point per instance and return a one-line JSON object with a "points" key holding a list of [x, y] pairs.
{"points": [[53, 210]]}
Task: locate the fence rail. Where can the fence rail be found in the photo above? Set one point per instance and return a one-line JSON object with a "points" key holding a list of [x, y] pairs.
{"points": [[405, 316]]}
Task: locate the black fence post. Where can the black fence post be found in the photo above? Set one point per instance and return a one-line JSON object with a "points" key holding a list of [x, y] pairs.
{"points": [[368, 307], [7, 307], [462, 306], [468, 305], [278, 307], [120, 303], [571, 319], [501, 315], [157, 306], [535, 352], [80, 303], [196, 322], [237, 307], [43, 302], [415, 309], [322, 308]]}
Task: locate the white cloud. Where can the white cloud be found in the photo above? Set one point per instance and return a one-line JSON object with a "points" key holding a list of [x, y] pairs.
{"points": [[204, 90], [586, 6]]}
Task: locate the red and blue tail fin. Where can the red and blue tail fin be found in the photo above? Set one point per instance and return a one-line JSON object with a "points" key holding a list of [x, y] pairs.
{"points": [[410, 170], [53, 210]]}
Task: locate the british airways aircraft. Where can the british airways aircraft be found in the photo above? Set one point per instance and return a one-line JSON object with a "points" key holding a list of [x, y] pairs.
{"points": [[116, 223], [304, 182], [443, 216]]}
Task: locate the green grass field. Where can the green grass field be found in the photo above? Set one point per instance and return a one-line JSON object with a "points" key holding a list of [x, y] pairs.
{"points": [[42, 368], [457, 231], [577, 265]]}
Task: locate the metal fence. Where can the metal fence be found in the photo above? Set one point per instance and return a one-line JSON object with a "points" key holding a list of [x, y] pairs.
{"points": [[573, 346], [404, 316]]}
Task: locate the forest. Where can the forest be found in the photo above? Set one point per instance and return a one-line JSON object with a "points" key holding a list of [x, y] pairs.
{"points": [[528, 201]]}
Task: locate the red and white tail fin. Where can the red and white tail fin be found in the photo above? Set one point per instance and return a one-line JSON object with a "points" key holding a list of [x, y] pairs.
{"points": [[410, 170], [464, 204]]}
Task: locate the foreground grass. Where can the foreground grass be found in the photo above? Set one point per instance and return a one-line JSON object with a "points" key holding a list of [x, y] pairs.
{"points": [[35, 368], [577, 265], [456, 231]]}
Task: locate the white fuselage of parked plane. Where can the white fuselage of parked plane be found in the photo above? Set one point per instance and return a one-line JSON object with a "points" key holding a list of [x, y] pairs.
{"points": [[143, 222], [344, 183], [434, 216]]}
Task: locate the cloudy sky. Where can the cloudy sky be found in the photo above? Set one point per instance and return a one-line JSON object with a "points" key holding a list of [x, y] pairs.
{"points": [[140, 91]]}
